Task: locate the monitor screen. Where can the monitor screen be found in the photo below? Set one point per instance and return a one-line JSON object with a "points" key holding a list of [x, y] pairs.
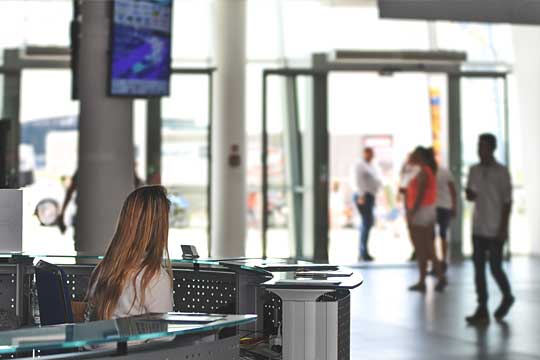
{"points": [[140, 63]]}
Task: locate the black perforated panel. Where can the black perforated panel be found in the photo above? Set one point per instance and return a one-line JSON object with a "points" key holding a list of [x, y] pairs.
{"points": [[8, 290], [194, 291], [343, 299], [272, 313], [77, 278], [344, 327], [205, 291]]}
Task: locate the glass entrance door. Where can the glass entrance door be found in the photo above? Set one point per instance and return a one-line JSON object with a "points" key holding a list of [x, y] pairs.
{"points": [[391, 115], [484, 109]]}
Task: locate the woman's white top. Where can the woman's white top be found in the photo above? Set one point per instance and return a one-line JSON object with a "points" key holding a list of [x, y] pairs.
{"points": [[158, 297]]}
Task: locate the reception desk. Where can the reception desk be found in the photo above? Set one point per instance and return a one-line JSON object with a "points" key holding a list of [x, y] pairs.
{"points": [[270, 289]]}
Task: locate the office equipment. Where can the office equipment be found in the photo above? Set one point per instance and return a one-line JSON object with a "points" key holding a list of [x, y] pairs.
{"points": [[189, 252]]}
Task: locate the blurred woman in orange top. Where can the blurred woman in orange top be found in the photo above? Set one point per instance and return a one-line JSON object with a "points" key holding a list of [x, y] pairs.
{"points": [[421, 216]]}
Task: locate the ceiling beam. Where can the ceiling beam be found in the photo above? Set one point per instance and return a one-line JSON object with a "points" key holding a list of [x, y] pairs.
{"points": [[493, 11]]}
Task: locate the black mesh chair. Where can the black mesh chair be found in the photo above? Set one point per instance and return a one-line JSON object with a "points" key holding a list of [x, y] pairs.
{"points": [[53, 295]]}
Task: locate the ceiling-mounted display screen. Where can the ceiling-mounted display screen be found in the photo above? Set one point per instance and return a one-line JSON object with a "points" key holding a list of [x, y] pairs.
{"points": [[140, 64]]}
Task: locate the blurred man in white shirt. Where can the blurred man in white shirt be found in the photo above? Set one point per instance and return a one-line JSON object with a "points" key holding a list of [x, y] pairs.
{"points": [[446, 208], [367, 183], [489, 187]]}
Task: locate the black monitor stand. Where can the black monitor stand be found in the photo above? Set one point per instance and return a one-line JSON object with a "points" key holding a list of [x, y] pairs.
{"points": [[4, 131]]}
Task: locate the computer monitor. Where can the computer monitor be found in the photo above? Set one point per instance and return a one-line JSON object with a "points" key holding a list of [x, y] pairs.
{"points": [[140, 51]]}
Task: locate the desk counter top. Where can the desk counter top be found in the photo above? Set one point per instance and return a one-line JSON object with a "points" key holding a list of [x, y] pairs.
{"points": [[137, 328]]}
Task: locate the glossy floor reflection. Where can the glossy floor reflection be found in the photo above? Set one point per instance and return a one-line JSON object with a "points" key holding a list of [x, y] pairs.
{"points": [[388, 322]]}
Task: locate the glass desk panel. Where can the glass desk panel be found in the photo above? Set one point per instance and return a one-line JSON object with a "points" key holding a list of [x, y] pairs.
{"points": [[195, 261], [145, 327]]}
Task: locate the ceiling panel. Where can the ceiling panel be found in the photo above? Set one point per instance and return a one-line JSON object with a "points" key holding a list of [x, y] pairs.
{"points": [[498, 11]]}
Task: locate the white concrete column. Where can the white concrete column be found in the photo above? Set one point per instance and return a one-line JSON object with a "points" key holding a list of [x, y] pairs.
{"points": [[105, 137], [228, 180], [527, 81]]}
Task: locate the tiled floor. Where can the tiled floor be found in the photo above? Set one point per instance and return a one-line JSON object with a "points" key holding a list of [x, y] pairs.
{"points": [[388, 322]]}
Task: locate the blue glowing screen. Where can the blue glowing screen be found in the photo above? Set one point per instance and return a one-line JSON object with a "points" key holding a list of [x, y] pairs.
{"points": [[141, 48]]}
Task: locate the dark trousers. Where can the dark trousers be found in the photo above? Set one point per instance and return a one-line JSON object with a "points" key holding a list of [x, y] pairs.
{"points": [[483, 246], [366, 213]]}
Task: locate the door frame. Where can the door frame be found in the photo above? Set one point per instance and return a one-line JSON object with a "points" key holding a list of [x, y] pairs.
{"points": [[455, 142], [318, 169], [448, 63]]}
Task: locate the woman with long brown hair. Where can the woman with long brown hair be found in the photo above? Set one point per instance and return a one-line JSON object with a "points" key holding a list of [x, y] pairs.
{"points": [[135, 276], [421, 216]]}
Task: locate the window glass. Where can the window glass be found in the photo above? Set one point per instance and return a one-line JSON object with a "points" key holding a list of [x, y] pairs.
{"points": [[184, 161], [483, 111], [263, 30], [325, 28], [481, 42], [48, 157], [139, 137], [192, 30], [35, 22], [275, 112]]}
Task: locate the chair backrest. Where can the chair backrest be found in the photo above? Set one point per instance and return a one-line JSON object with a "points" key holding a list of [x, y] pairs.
{"points": [[53, 295]]}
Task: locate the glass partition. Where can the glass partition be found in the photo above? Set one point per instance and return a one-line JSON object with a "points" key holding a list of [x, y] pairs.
{"points": [[185, 152]]}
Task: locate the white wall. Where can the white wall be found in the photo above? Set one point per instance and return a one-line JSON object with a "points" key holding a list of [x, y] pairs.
{"points": [[527, 81]]}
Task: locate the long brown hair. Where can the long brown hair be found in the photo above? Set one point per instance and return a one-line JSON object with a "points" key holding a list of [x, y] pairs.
{"points": [[139, 244]]}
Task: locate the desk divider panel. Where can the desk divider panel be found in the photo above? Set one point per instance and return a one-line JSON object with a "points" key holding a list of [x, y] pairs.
{"points": [[77, 279], [272, 313], [207, 291], [193, 290], [8, 294]]}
